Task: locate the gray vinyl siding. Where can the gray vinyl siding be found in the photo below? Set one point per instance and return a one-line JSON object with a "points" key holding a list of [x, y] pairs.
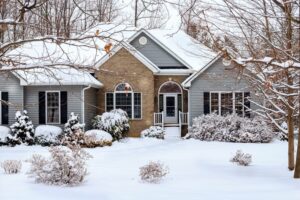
{"points": [[155, 53], [11, 84], [90, 106], [31, 102], [215, 78]]}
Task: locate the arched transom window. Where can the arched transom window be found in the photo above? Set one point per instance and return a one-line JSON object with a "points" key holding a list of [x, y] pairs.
{"points": [[126, 99]]}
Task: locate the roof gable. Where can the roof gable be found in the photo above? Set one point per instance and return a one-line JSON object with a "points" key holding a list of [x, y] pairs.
{"points": [[157, 54], [133, 52]]}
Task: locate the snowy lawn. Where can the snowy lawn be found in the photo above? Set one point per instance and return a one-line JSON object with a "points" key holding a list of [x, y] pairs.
{"points": [[198, 170]]}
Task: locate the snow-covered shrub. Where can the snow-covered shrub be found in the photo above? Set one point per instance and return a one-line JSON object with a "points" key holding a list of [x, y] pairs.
{"points": [[64, 167], [230, 128], [22, 130], [115, 122], [11, 166], [97, 138], [241, 158], [73, 124], [154, 132], [153, 172], [46, 135], [75, 138], [4, 135]]}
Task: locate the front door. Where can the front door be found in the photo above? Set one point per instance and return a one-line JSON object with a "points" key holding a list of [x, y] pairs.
{"points": [[170, 108]]}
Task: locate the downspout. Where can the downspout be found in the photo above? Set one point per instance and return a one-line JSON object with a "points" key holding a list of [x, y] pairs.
{"points": [[186, 89], [83, 103]]}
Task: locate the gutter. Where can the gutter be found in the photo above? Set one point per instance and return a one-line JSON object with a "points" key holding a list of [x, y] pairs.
{"points": [[82, 103]]}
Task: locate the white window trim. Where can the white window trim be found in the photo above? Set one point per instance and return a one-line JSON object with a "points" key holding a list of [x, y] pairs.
{"points": [[159, 93], [59, 107], [233, 100], [132, 101]]}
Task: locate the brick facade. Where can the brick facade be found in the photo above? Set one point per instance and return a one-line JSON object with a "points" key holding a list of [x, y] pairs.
{"points": [[124, 67]]}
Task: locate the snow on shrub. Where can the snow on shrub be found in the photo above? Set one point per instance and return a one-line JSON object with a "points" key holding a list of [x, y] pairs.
{"points": [[11, 166], [153, 172], [4, 135], [46, 135], [97, 138], [154, 132], [64, 167], [73, 124], [230, 128], [115, 122], [241, 158], [22, 130]]}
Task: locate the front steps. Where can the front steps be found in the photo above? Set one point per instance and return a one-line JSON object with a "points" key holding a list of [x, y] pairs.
{"points": [[172, 132]]}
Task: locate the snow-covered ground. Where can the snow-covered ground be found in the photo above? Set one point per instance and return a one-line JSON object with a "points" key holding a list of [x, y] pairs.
{"points": [[198, 170]]}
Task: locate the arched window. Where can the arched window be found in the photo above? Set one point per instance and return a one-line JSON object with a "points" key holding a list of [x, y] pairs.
{"points": [[124, 98]]}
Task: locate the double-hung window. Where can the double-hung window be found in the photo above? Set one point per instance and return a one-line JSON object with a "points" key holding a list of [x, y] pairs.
{"points": [[53, 107], [124, 98]]}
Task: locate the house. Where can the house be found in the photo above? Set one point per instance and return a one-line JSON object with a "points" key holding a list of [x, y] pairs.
{"points": [[166, 78], [159, 77]]}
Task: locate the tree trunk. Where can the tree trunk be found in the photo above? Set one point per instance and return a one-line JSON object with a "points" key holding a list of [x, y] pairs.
{"points": [[297, 168], [291, 159], [136, 13]]}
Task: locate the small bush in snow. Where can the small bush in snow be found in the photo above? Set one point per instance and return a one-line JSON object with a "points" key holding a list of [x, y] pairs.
{"points": [[153, 172], [97, 138], [75, 138], [241, 158], [5, 135], [11, 166], [47, 135], [230, 128], [154, 132], [73, 124], [115, 122], [22, 130], [64, 167]]}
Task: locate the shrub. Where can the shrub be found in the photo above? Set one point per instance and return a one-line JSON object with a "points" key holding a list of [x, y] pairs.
{"points": [[47, 135], [97, 138], [64, 167], [5, 135], [75, 138], [153, 172], [22, 130], [11, 166], [73, 124], [241, 159], [115, 122], [154, 132], [230, 128]]}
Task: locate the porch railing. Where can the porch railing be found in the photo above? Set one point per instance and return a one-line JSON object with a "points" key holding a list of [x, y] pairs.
{"points": [[159, 119], [183, 118]]}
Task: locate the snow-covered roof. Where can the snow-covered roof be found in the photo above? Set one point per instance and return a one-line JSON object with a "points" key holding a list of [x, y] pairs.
{"points": [[183, 47], [177, 43], [56, 76]]}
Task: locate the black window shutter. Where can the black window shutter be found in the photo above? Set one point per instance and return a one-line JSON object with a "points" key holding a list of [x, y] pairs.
{"points": [[247, 104], [4, 107], [179, 102], [63, 107], [42, 108], [206, 103], [161, 102]]}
